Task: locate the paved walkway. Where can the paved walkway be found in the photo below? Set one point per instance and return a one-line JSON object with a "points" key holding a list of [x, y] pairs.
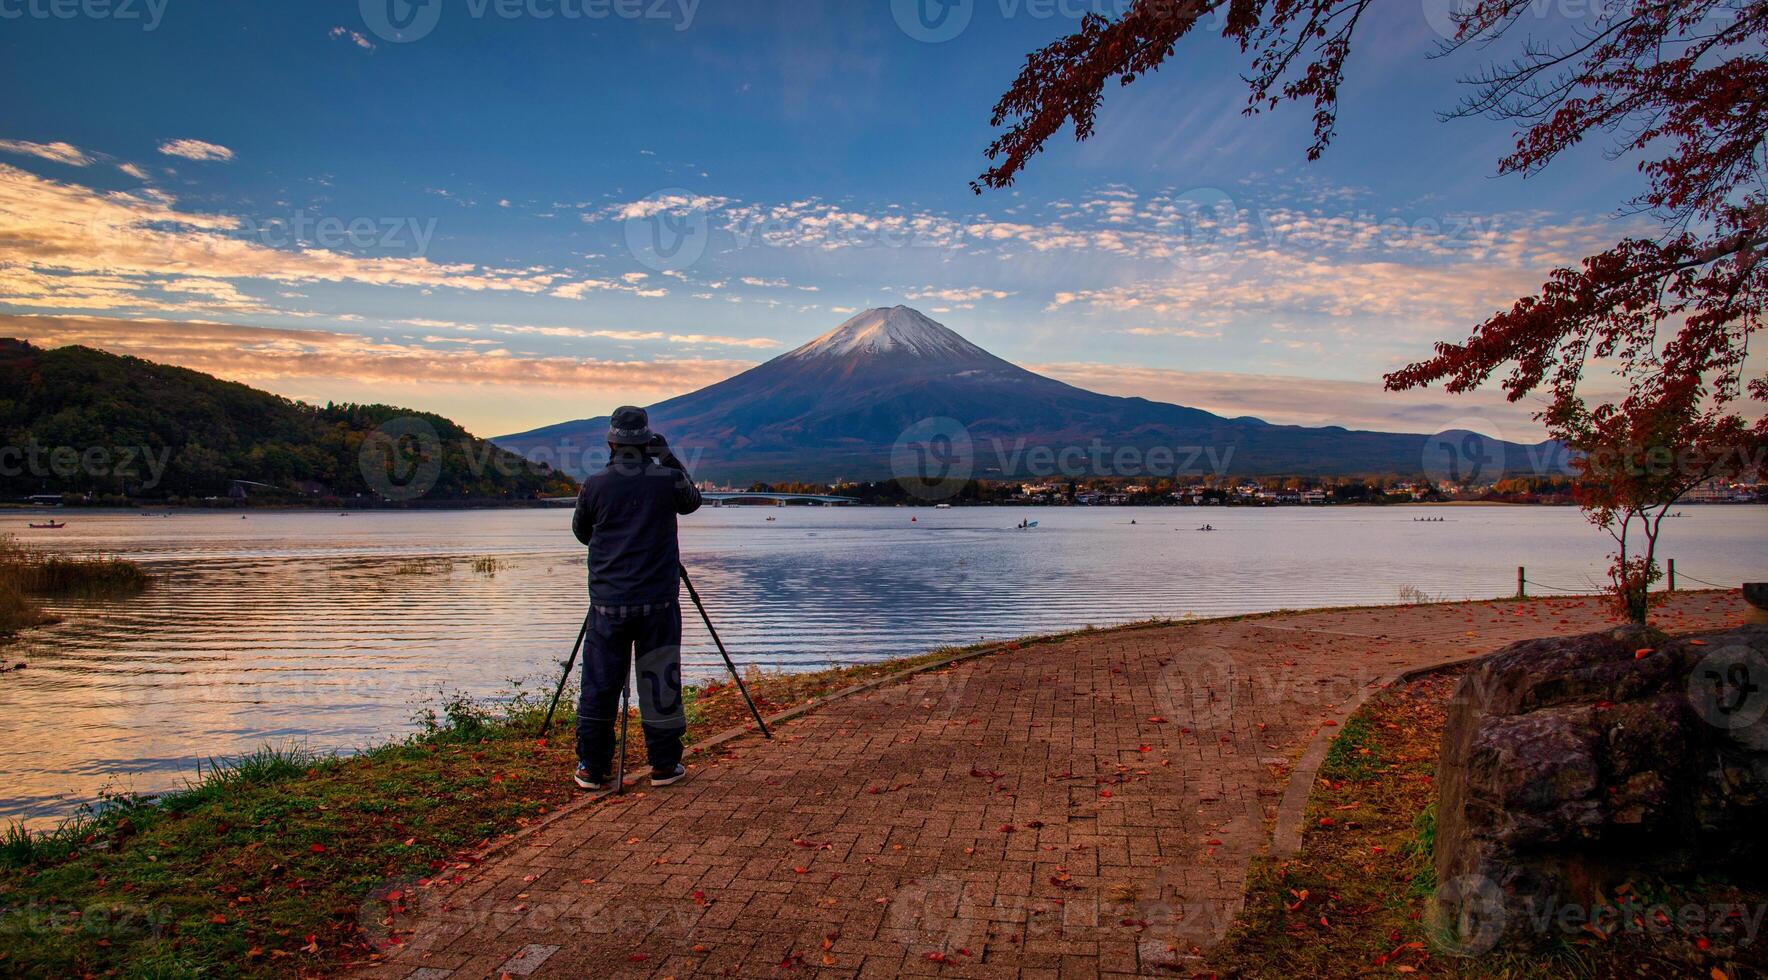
{"points": [[1079, 808]]}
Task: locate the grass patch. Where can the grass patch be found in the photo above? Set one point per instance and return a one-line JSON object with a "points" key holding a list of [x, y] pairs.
{"points": [[27, 574], [1412, 595], [1353, 902], [423, 566], [281, 863], [489, 566], [19, 611]]}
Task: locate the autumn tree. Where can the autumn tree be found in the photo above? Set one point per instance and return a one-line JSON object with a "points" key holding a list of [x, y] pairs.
{"points": [[1679, 86]]}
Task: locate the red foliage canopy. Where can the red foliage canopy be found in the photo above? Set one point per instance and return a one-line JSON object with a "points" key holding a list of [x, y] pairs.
{"points": [[1684, 81]]}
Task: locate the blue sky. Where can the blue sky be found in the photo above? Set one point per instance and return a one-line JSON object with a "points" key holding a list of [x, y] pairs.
{"points": [[463, 218]]}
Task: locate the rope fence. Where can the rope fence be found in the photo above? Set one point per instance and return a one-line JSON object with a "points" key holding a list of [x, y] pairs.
{"points": [[1558, 588], [1524, 583]]}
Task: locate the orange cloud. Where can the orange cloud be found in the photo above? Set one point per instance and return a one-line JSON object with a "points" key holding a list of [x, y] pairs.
{"points": [[279, 354], [72, 247]]}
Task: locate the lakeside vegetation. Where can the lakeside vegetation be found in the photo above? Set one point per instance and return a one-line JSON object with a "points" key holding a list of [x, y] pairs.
{"points": [[1354, 901], [27, 575]]}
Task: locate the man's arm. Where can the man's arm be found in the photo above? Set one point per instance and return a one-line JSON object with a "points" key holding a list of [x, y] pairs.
{"points": [[687, 496], [582, 521]]}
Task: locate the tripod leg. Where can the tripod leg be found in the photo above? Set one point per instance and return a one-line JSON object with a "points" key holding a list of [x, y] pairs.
{"points": [[695, 595], [559, 692], [620, 764]]}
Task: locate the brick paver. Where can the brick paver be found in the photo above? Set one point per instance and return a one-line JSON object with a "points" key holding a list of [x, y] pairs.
{"points": [[1081, 808]]}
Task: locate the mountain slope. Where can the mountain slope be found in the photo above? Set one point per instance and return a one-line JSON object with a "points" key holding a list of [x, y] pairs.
{"points": [[131, 414], [837, 405]]}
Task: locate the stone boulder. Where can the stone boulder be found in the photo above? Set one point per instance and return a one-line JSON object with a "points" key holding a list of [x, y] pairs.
{"points": [[1572, 764]]}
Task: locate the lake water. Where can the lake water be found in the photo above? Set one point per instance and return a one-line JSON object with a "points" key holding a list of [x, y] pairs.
{"points": [[332, 631]]}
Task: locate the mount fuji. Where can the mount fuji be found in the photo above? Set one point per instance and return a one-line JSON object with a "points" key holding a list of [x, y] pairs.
{"points": [[840, 404]]}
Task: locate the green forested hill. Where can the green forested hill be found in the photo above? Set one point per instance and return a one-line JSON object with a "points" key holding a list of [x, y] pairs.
{"points": [[79, 420]]}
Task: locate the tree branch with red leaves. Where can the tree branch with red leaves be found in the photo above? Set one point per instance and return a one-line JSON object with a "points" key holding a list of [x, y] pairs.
{"points": [[1682, 85]]}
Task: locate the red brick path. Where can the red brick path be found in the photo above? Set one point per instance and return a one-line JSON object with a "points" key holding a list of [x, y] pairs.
{"points": [[1080, 808]]}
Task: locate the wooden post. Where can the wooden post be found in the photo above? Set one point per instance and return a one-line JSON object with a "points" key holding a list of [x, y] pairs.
{"points": [[1521, 590], [1672, 563]]}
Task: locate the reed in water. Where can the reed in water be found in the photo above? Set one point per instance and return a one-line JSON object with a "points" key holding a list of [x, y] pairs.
{"points": [[27, 574]]}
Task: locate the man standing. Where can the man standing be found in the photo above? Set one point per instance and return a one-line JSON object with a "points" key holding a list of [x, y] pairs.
{"points": [[626, 515]]}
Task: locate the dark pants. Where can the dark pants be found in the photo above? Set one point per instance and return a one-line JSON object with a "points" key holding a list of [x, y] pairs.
{"points": [[608, 649]]}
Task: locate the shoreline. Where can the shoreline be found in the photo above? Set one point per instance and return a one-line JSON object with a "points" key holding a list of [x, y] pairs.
{"points": [[434, 804], [154, 508]]}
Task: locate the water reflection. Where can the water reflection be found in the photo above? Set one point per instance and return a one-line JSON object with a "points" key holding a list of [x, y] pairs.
{"points": [[334, 630]]}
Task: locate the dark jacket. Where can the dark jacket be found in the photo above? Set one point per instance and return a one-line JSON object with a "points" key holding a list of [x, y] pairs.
{"points": [[626, 515]]}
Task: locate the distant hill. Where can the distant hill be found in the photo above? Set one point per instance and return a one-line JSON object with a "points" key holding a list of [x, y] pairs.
{"points": [[891, 388], [79, 420]]}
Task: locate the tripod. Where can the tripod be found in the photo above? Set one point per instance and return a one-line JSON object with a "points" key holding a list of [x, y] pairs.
{"points": [[583, 631]]}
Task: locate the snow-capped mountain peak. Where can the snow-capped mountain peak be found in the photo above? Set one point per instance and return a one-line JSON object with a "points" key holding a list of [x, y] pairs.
{"points": [[892, 330]]}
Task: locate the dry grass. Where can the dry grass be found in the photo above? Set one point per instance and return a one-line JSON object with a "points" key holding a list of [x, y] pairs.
{"points": [[1353, 902], [424, 566], [489, 566], [27, 574]]}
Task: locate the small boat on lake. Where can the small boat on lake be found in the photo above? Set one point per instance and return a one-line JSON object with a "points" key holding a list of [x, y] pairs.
{"points": [[49, 525]]}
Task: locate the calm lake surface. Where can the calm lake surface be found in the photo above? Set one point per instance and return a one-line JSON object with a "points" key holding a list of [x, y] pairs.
{"points": [[333, 631]]}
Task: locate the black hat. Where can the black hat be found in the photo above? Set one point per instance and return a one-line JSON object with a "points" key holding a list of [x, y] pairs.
{"points": [[629, 426]]}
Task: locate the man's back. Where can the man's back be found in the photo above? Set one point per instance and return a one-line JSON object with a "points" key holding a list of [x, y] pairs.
{"points": [[626, 515]]}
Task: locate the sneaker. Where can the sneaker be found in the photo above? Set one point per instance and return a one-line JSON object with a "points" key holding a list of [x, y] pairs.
{"points": [[661, 777], [585, 781]]}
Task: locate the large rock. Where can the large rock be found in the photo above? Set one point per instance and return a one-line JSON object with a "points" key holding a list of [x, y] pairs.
{"points": [[1572, 764]]}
